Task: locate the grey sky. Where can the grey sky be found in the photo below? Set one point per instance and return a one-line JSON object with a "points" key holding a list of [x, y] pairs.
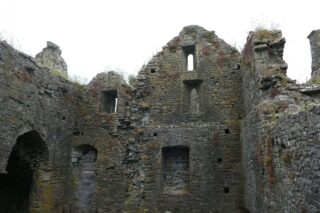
{"points": [[122, 35]]}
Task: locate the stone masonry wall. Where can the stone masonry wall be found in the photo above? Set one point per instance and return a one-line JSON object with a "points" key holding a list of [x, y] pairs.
{"points": [[162, 113], [33, 100], [278, 132], [232, 135]]}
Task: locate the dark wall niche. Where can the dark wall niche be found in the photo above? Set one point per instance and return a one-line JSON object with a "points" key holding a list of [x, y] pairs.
{"points": [[226, 190], [189, 58], [175, 169], [24, 168], [109, 101], [29, 69]]}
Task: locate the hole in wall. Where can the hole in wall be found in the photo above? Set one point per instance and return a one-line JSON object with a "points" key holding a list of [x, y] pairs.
{"points": [[219, 160], [76, 132], [155, 134], [190, 62], [189, 57], [226, 131], [29, 69], [226, 190], [109, 101], [238, 66], [63, 117], [152, 70]]}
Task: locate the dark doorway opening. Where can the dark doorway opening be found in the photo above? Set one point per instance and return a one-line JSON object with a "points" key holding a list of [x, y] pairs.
{"points": [[17, 185]]}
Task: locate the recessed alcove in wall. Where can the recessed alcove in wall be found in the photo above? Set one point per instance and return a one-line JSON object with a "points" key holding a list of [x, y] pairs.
{"points": [[27, 160], [175, 169], [109, 101], [192, 88], [189, 58], [83, 159], [226, 190]]}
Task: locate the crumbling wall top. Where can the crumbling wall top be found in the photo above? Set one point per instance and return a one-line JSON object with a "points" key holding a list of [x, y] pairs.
{"points": [[314, 39], [50, 57]]}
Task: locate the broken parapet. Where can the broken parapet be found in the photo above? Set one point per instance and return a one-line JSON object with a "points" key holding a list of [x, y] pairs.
{"points": [[314, 39], [50, 57]]}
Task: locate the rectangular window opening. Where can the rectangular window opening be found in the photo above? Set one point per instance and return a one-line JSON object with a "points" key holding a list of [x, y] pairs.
{"points": [[109, 101], [189, 57]]}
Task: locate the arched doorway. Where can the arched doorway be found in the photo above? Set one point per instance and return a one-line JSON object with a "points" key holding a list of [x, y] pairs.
{"points": [[84, 172], [18, 188]]}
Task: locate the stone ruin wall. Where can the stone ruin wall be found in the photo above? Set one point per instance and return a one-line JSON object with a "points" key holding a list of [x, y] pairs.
{"points": [[279, 132], [232, 135], [167, 120]]}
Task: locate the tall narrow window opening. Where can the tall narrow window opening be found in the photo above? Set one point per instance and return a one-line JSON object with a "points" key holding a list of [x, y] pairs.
{"points": [[109, 101], [189, 57], [194, 102], [190, 62], [192, 96]]}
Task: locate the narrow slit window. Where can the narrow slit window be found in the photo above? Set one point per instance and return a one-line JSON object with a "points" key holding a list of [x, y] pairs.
{"points": [[189, 58], [109, 101], [190, 62], [116, 105], [194, 101]]}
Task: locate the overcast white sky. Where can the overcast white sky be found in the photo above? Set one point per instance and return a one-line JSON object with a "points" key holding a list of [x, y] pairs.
{"points": [[95, 35]]}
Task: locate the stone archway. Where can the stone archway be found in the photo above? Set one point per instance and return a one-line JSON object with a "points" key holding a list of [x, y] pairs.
{"points": [[20, 188]]}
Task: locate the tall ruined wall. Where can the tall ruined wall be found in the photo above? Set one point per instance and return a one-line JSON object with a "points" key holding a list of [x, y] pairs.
{"points": [[105, 129], [195, 111], [279, 132], [33, 107]]}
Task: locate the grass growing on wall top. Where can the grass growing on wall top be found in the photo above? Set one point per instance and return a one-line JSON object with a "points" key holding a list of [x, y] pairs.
{"points": [[265, 34]]}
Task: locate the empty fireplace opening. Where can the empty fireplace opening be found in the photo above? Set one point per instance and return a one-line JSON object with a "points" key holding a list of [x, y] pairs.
{"points": [[175, 169], [24, 162], [189, 57], [109, 101], [83, 159]]}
